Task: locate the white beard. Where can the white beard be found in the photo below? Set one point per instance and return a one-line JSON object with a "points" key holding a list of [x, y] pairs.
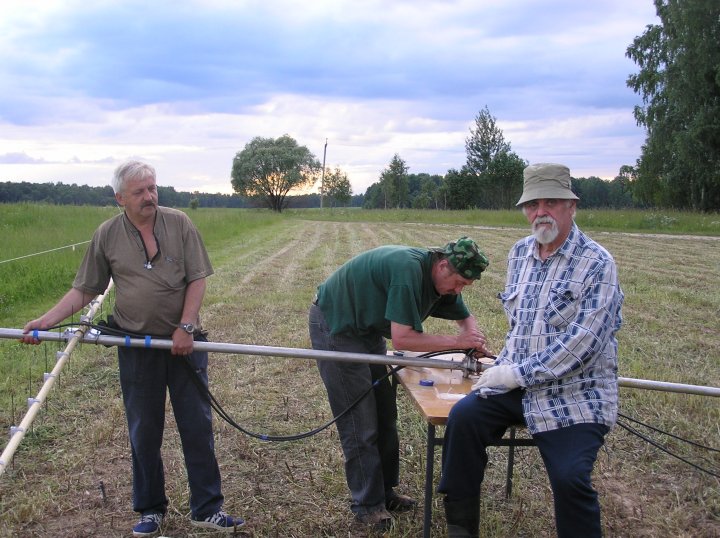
{"points": [[542, 234]]}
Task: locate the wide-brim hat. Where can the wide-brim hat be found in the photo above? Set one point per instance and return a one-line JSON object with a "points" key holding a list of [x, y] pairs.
{"points": [[546, 180], [466, 257]]}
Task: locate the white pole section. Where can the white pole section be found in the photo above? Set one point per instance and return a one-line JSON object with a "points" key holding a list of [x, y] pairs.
{"points": [[17, 433]]}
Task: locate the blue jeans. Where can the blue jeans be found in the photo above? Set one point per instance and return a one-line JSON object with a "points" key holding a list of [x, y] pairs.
{"points": [[145, 377], [569, 455], [368, 433]]}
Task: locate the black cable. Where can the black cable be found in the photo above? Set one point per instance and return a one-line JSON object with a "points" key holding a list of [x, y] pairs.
{"points": [[265, 437], [670, 453], [698, 445], [205, 391]]}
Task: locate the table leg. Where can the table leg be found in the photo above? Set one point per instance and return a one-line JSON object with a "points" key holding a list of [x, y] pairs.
{"points": [[429, 466]]}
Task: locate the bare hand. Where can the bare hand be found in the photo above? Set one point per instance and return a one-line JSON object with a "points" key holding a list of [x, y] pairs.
{"points": [[182, 342], [30, 326], [474, 339]]}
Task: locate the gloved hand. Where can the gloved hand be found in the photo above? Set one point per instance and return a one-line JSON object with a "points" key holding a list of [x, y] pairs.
{"points": [[497, 377]]}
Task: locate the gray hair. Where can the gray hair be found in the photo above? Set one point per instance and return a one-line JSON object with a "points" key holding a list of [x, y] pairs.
{"points": [[130, 170]]}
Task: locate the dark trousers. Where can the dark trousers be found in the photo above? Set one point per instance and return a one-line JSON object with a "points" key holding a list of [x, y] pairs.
{"points": [[145, 377], [368, 433], [569, 455]]}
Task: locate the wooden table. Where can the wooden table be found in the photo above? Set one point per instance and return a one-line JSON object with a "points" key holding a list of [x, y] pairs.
{"points": [[434, 403]]}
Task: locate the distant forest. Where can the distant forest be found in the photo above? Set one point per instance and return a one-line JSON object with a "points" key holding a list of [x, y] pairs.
{"points": [[64, 194]]}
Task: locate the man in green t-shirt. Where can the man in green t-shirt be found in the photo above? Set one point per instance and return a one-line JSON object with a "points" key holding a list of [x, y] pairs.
{"points": [[386, 293]]}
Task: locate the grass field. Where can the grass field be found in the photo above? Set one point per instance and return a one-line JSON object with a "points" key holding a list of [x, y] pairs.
{"points": [[267, 268]]}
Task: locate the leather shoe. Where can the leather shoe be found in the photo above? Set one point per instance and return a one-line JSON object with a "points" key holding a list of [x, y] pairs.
{"points": [[399, 503], [379, 520]]}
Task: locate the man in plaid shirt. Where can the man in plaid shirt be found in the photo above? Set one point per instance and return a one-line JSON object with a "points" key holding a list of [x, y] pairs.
{"points": [[557, 372]]}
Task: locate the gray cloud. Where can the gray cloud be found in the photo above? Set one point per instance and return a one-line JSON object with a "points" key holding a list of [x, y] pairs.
{"points": [[113, 68]]}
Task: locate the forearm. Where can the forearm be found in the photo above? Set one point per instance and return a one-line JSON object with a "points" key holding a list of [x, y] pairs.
{"points": [[183, 341], [417, 341], [408, 339], [194, 295], [72, 302]]}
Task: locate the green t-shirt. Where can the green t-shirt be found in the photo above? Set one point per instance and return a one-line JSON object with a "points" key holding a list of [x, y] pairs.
{"points": [[389, 283]]}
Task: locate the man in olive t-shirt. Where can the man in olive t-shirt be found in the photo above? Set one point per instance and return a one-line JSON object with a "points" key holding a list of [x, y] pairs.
{"points": [[158, 263], [386, 293]]}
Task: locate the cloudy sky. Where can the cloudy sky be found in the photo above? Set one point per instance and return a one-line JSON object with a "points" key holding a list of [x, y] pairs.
{"points": [[185, 84]]}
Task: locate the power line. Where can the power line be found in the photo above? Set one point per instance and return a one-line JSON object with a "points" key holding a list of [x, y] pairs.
{"points": [[44, 252]]}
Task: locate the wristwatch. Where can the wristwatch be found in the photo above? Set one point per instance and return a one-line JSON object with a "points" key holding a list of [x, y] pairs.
{"points": [[187, 327]]}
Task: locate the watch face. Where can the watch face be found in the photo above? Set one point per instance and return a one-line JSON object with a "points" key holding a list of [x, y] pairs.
{"points": [[189, 327]]}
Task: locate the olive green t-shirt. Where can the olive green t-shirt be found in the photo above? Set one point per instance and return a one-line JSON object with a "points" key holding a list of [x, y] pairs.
{"points": [[385, 284], [147, 300]]}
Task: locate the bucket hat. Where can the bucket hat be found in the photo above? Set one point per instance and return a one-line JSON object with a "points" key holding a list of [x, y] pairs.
{"points": [[546, 180]]}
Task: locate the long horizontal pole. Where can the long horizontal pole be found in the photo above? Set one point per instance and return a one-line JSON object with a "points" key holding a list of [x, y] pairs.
{"points": [[299, 353], [242, 349]]}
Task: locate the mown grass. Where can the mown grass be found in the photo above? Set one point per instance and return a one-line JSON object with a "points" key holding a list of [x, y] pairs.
{"points": [[656, 221], [267, 267]]}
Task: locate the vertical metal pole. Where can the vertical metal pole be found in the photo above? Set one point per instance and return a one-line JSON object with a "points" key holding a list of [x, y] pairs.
{"points": [[429, 468], [322, 178]]}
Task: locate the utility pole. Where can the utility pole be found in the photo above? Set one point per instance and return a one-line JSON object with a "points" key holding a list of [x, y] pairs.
{"points": [[322, 177]]}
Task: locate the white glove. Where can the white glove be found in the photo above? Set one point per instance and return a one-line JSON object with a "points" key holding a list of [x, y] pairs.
{"points": [[500, 377]]}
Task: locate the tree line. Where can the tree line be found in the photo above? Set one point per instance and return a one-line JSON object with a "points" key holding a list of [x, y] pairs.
{"points": [[73, 194]]}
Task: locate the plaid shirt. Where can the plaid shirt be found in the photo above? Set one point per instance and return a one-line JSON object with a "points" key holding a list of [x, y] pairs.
{"points": [[563, 314]]}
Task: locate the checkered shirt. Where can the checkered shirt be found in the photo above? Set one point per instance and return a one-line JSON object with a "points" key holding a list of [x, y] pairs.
{"points": [[563, 314]]}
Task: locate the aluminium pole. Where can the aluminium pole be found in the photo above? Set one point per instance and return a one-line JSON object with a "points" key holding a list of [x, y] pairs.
{"points": [[246, 349], [300, 353]]}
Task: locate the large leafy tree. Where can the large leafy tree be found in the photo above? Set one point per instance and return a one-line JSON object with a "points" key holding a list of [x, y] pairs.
{"points": [[486, 140], [270, 168], [679, 81]]}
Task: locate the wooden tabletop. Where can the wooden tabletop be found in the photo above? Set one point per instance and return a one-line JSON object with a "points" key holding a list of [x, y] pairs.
{"points": [[435, 402]]}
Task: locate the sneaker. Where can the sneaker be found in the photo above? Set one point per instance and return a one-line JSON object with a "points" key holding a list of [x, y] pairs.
{"points": [[219, 521], [149, 525], [399, 503], [379, 520]]}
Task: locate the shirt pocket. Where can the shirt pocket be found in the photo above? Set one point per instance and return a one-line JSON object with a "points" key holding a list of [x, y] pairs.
{"points": [[563, 305], [172, 273], [509, 299]]}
